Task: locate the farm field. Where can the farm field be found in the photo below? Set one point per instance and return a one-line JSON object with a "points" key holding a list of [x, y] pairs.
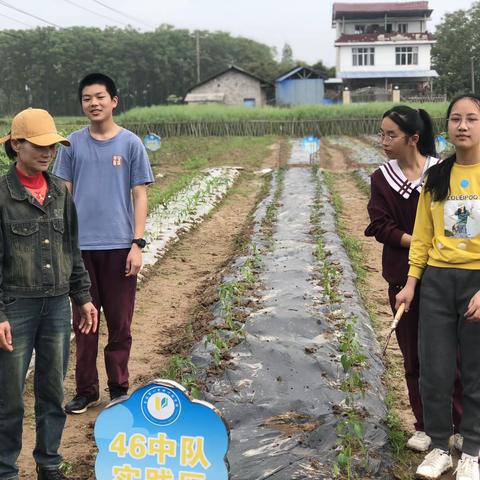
{"points": [[274, 299]]}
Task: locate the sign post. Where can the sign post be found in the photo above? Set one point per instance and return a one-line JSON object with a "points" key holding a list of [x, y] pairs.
{"points": [[159, 433], [152, 143], [311, 145], [441, 143]]}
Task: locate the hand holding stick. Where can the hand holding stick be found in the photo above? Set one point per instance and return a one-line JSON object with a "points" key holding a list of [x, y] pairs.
{"points": [[395, 321]]}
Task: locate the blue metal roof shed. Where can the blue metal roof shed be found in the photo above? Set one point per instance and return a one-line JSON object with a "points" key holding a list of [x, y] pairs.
{"points": [[300, 86]]}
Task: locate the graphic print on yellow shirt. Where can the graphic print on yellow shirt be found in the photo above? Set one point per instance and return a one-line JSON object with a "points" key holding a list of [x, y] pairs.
{"points": [[447, 233], [462, 216]]}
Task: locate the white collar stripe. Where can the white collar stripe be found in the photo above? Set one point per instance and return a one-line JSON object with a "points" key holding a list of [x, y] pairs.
{"points": [[390, 170], [399, 182]]}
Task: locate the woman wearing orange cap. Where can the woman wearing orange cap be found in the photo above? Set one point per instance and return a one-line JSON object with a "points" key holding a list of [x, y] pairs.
{"points": [[40, 267]]}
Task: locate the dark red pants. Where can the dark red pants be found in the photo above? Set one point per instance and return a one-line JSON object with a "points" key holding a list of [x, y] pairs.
{"points": [[115, 293], [407, 338]]}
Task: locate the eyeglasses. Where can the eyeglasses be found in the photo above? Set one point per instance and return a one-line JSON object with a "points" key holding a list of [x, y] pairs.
{"points": [[387, 139], [459, 120]]}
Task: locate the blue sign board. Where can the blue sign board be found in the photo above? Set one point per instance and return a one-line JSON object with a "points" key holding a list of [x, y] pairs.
{"points": [[311, 144], [441, 143], [152, 142], [159, 433]]}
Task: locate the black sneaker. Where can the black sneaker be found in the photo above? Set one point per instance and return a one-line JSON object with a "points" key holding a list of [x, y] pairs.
{"points": [[117, 392], [50, 474], [80, 403]]}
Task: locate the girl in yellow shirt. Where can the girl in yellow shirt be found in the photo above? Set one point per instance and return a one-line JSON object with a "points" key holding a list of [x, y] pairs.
{"points": [[445, 254]]}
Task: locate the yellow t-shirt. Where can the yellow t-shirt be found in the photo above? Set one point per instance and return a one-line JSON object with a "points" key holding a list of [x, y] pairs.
{"points": [[447, 233]]}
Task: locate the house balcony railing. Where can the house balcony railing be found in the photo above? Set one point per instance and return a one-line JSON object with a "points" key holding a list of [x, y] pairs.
{"points": [[384, 37]]}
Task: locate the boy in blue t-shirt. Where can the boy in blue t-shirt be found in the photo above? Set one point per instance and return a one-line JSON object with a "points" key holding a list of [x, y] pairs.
{"points": [[106, 167]]}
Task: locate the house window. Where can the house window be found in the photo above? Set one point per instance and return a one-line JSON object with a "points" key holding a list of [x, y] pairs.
{"points": [[389, 28], [249, 102], [359, 28], [406, 55], [402, 28], [374, 28], [363, 56]]}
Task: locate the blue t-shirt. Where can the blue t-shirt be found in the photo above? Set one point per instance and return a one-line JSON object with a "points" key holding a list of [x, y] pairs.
{"points": [[103, 172]]}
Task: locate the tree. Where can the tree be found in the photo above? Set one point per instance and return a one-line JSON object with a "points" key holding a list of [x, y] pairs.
{"points": [[457, 50], [41, 67], [319, 67], [287, 62]]}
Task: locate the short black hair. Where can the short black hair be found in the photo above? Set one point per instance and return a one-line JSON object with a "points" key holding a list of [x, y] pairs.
{"points": [[97, 79]]}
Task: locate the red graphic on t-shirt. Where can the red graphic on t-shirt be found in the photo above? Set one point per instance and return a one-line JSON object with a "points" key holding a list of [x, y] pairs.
{"points": [[117, 160]]}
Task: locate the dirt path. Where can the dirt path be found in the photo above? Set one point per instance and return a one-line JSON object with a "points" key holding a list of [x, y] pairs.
{"points": [[171, 312], [375, 295]]}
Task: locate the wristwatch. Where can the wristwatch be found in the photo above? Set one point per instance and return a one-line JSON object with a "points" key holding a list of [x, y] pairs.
{"points": [[140, 242]]}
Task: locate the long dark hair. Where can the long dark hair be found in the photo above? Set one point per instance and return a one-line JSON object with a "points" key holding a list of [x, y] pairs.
{"points": [[415, 122], [438, 176]]}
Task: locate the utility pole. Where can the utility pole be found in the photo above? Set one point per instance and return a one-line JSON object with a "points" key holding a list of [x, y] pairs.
{"points": [[198, 55], [472, 73]]}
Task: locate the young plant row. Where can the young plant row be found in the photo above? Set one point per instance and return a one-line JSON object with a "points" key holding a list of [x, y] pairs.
{"points": [[350, 432], [350, 456], [268, 221], [232, 329], [224, 335], [404, 459], [185, 209], [227, 332]]}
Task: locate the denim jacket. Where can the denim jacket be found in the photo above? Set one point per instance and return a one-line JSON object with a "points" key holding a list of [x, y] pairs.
{"points": [[39, 252]]}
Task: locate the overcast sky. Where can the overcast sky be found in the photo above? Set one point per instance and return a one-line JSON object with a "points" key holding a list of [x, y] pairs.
{"points": [[304, 24]]}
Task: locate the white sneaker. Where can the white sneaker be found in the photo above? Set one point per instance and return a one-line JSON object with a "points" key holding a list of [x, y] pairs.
{"points": [[467, 468], [419, 441], [436, 462]]}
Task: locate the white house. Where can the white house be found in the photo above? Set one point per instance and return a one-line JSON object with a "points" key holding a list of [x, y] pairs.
{"points": [[383, 45]]}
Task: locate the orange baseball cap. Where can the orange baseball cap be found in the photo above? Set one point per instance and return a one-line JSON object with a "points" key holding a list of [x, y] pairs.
{"points": [[36, 126]]}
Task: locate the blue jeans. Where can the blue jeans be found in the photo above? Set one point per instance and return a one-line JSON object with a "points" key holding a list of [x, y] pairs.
{"points": [[42, 324]]}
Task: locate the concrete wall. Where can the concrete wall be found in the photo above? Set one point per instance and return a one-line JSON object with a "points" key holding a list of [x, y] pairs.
{"points": [[236, 86], [384, 58]]}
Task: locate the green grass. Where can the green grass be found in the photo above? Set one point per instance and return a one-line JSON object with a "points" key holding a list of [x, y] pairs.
{"points": [[195, 163], [202, 152], [220, 113], [5, 163]]}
